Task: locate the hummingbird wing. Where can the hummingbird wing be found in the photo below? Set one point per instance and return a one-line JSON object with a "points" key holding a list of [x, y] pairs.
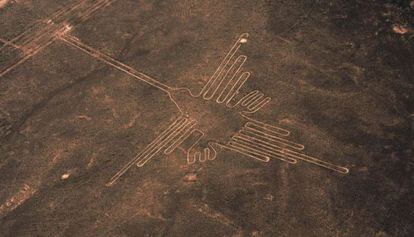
{"points": [[263, 142], [166, 142], [229, 78], [219, 85]]}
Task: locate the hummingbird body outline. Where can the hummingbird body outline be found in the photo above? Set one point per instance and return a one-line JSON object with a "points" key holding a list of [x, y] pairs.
{"points": [[192, 131]]}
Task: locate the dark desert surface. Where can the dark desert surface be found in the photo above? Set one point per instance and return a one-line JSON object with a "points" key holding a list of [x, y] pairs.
{"points": [[340, 74]]}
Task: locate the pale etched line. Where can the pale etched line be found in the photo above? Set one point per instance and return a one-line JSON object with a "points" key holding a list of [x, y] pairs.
{"points": [[266, 127], [248, 152], [267, 148], [34, 24], [65, 17], [287, 153], [236, 87], [275, 145], [163, 142], [9, 43], [187, 132], [170, 138], [259, 148], [259, 105], [36, 35], [115, 63], [206, 154], [192, 159], [315, 161], [154, 143], [249, 97], [241, 40], [51, 23], [62, 11], [202, 158], [240, 62], [92, 11], [255, 100], [249, 131], [25, 58], [206, 89], [26, 47], [197, 156], [247, 148], [210, 156], [21, 35], [41, 39]]}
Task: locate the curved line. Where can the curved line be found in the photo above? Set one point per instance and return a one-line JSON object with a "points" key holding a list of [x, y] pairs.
{"points": [[273, 154], [187, 132], [255, 101], [235, 90], [247, 98], [277, 130], [316, 161], [260, 105], [241, 58], [263, 135], [224, 62]]}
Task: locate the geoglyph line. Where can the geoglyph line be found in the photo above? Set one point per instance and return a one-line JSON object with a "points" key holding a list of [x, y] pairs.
{"points": [[242, 39], [115, 63], [27, 36], [252, 153], [168, 139], [225, 80], [239, 64], [315, 161], [265, 144], [8, 43], [259, 147], [151, 149], [61, 22], [184, 135], [255, 139], [263, 135]]}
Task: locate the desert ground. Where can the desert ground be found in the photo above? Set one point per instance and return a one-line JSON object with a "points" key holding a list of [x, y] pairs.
{"points": [[340, 75]]}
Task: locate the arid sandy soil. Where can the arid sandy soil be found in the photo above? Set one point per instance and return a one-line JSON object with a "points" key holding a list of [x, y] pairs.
{"points": [[340, 74]]}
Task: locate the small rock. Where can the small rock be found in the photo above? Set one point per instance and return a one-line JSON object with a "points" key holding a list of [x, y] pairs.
{"points": [[269, 197], [399, 29], [65, 176], [84, 117], [191, 177]]}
